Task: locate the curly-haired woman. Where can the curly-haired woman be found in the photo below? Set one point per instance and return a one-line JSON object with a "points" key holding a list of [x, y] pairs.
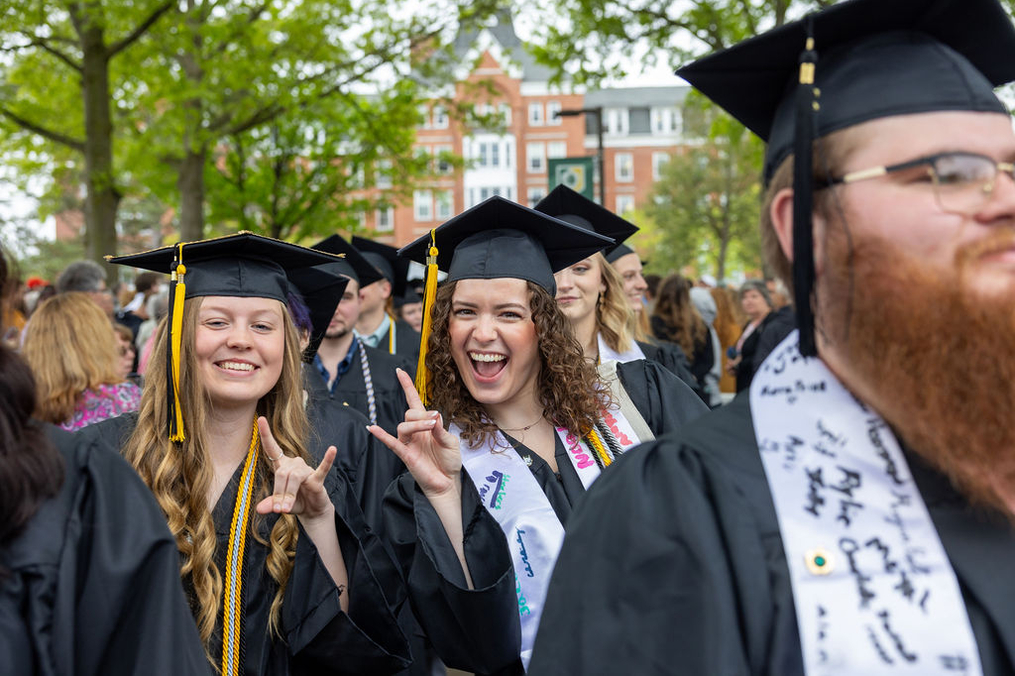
{"points": [[280, 571], [478, 522]]}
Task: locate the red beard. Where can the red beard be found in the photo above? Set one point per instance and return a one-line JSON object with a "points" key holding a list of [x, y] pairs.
{"points": [[934, 359]]}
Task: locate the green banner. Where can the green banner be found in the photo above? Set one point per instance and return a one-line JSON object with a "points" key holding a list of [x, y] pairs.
{"points": [[574, 172]]}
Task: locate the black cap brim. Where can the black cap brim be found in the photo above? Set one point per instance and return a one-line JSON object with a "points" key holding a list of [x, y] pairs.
{"points": [[573, 207], [354, 264]]}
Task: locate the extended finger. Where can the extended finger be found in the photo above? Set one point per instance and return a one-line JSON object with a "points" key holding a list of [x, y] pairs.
{"points": [[329, 459], [396, 446], [441, 435], [411, 395]]}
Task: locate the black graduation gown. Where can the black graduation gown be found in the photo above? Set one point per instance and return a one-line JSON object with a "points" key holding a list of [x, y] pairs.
{"points": [[681, 543], [368, 464], [406, 341], [351, 389], [478, 630], [316, 636], [672, 358], [93, 583]]}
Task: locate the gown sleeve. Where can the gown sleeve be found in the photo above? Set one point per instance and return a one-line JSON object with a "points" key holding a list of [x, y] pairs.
{"points": [[476, 630], [321, 637], [99, 577]]}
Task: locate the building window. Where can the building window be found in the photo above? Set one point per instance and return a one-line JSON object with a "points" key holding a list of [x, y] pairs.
{"points": [[442, 159], [556, 150], [536, 114], [658, 161], [385, 220], [639, 121], [440, 118], [533, 195], [536, 154], [552, 108], [665, 120], [625, 203], [445, 204], [488, 154], [422, 205], [623, 164], [382, 174], [616, 121]]}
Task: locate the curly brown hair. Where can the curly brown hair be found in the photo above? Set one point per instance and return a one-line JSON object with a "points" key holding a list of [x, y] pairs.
{"points": [[569, 387]]}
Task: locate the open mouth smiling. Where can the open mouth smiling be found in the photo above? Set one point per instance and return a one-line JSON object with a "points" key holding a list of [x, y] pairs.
{"points": [[487, 365]]}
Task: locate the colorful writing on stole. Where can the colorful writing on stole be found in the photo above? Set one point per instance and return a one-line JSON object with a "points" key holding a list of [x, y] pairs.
{"points": [[581, 457]]}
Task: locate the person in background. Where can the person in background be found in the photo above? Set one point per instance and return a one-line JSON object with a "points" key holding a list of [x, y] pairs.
{"points": [[135, 311], [410, 309], [758, 307], [80, 380], [127, 353], [652, 282], [85, 555], [705, 304], [378, 326], [678, 321], [87, 277], [156, 308]]}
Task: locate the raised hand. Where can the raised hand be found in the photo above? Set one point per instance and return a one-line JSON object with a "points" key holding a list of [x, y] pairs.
{"points": [[299, 489], [430, 453]]}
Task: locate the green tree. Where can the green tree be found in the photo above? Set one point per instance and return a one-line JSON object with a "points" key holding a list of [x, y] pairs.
{"points": [[705, 207], [57, 86]]}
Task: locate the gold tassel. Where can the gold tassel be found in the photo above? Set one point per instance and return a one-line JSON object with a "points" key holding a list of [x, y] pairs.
{"points": [[429, 292], [176, 432]]}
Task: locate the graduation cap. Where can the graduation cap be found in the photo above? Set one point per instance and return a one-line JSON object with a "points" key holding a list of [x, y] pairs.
{"points": [[242, 265], [497, 238], [573, 207], [387, 261], [321, 289], [878, 58], [353, 264]]}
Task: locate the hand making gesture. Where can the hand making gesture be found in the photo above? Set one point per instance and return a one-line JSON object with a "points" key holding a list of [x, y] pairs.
{"points": [[299, 489], [430, 453]]}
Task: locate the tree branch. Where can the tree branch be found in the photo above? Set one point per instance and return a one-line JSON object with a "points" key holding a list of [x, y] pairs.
{"points": [[141, 29], [54, 136]]}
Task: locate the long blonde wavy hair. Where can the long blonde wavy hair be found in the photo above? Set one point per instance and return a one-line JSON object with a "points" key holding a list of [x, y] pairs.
{"points": [[71, 347], [179, 474], [615, 319]]}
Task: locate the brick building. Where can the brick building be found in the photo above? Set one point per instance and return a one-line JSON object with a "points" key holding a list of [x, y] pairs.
{"points": [[642, 127]]}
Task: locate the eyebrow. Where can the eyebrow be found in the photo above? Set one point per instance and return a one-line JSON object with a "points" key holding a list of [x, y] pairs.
{"points": [[221, 309], [499, 306]]}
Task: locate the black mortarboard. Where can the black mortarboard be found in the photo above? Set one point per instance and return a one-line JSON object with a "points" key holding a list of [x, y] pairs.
{"points": [[500, 238], [244, 265], [878, 58], [321, 289], [386, 259], [354, 265], [619, 252], [574, 208], [497, 238]]}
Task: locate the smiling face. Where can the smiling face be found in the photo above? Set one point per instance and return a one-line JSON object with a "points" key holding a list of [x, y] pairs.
{"points": [[629, 269], [578, 289], [239, 346], [493, 339]]}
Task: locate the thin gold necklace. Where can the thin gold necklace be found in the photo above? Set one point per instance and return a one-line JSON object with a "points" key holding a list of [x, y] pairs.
{"points": [[527, 427]]}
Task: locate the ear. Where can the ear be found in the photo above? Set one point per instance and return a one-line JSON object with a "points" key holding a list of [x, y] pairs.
{"points": [[782, 221], [385, 289]]}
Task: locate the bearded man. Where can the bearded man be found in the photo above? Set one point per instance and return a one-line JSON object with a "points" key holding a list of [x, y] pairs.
{"points": [[852, 513]]}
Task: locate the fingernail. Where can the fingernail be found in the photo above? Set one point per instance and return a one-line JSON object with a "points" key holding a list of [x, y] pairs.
{"points": [[277, 506], [434, 414]]}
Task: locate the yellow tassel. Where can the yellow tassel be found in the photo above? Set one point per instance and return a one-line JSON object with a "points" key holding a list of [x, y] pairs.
{"points": [[176, 342], [429, 292]]}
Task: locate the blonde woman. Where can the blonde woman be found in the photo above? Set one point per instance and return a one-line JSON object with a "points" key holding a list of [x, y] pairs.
{"points": [[273, 551], [74, 354]]}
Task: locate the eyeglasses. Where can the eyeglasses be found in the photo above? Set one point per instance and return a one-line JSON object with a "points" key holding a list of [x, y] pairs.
{"points": [[963, 182]]}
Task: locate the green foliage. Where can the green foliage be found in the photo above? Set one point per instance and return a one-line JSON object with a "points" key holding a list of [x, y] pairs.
{"points": [[705, 207]]}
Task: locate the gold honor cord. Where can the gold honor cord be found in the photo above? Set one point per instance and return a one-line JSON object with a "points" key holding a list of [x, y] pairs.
{"points": [[429, 291], [391, 336], [598, 448], [232, 612]]}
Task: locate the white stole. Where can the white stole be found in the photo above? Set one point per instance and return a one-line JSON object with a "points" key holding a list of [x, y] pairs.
{"points": [[873, 588], [512, 495], [607, 353]]}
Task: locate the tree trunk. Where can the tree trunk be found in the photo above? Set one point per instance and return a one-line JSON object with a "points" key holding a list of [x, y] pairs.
{"points": [[102, 199], [190, 183]]}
